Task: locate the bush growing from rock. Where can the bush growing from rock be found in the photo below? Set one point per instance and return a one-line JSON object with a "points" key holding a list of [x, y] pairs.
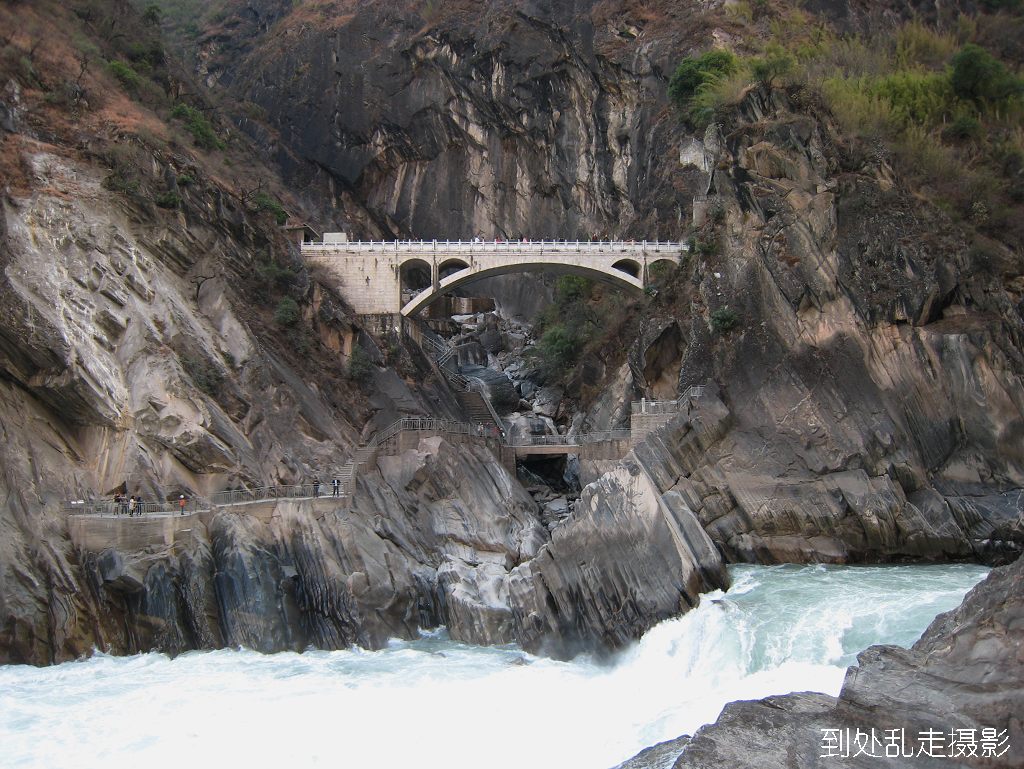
{"points": [[287, 312], [724, 319]]}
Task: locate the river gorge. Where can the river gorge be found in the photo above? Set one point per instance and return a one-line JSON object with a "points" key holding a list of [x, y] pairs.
{"points": [[552, 495]]}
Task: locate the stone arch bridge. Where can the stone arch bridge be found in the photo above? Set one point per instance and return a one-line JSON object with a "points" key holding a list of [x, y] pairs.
{"points": [[404, 276]]}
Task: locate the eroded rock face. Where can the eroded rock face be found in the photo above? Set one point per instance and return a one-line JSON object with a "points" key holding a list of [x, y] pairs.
{"points": [[965, 672], [125, 358], [802, 514], [872, 374], [496, 123], [424, 543], [627, 558]]}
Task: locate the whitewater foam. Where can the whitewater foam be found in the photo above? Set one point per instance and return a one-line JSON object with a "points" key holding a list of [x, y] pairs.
{"points": [[437, 703]]}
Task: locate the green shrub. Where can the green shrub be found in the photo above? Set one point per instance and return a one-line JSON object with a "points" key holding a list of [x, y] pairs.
{"points": [[153, 15], [360, 366], [723, 319], [558, 349], [274, 275], [916, 98], [659, 273], [118, 182], [919, 45], [204, 374], [716, 95], [169, 199], [692, 73], [185, 180], [287, 312], [196, 123], [127, 76], [776, 63], [264, 202], [979, 77], [704, 246], [572, 288], [963, 128]]}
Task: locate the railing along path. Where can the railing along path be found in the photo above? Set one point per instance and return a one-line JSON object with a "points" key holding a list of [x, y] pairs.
{"points": [[500, 246], [362, 455]]}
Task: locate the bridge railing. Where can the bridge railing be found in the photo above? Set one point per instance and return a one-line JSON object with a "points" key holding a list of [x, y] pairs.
{"points": [[499, 246], [431, 424], [667, 407], [264, 493]]}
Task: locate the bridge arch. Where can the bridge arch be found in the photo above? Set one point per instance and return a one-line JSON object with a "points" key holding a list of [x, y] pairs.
{"points": [[628, 266], [415, 274], [450, 266], [659, 269], [468, 275]]}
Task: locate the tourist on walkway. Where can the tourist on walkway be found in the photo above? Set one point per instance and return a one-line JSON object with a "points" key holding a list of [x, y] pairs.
{"points": [[131, 506], [181, 503], [117, 503], [316, 487], [335, 488]]}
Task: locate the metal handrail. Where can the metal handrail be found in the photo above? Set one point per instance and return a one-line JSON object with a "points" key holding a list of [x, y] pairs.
{"points": [[667, 407], [263, 493], [108, 508], [598, 436]]}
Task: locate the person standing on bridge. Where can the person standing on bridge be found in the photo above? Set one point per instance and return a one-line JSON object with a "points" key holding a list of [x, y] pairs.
{"points": [[335, 488], [181, 503], [316, 486]]}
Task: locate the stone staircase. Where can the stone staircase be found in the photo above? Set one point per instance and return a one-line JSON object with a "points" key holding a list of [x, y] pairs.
{"points": [[471, 393], [361, 456], [477, 408]]}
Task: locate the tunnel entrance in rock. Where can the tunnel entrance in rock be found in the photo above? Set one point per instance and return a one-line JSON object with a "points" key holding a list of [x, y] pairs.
{"points": [[548, 470], [553, 482]]}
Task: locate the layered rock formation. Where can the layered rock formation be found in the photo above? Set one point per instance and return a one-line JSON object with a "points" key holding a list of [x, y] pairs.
{"points": [[424, 543], [871, 354], [965, 673], [863, 401], [874, 371], [454, 120]]}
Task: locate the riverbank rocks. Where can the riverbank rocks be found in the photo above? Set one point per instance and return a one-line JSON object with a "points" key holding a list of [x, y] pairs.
{"points": [[627, 558], [965, 673]]}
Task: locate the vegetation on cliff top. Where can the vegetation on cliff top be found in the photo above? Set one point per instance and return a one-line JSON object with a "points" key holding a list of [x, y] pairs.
{"points": [[945, 99]]}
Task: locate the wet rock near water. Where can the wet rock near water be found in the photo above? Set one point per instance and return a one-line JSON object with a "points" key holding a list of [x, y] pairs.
{"points": [[965, 673]]}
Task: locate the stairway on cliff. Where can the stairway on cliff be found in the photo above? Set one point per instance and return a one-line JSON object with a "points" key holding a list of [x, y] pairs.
{"points": [[474, 406]]}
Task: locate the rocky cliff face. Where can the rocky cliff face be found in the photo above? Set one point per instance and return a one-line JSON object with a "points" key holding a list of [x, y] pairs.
{"points": [[425, 543], [863, 401], [871, 355], [873, 372], [455, 120]]}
